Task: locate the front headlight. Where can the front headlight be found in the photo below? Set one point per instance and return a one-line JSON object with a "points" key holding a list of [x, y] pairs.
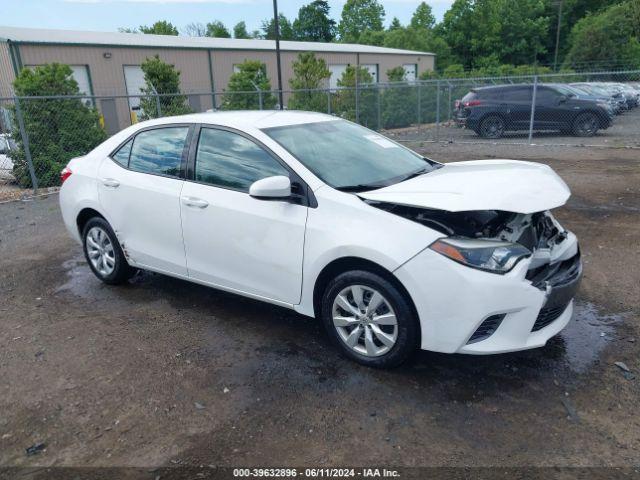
{"points": [[489, 255]]}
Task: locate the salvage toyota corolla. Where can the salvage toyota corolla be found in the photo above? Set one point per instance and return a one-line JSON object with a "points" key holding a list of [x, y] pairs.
{"points": [[391, 250]]}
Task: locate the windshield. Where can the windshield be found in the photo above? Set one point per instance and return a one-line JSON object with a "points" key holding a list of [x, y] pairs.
{"points": [[349, 157]]}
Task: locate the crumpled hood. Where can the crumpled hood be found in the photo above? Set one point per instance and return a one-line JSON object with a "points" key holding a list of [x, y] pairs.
{"points": [[508, 185]]}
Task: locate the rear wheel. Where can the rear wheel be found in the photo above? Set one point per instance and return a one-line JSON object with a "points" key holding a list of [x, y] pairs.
{"points": [[369, 319], [585, 125], [492, 127], [103, 253]]}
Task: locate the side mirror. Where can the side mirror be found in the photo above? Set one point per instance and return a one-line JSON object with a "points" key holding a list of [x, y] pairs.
{"points": [[277, 187], [563, 98]]}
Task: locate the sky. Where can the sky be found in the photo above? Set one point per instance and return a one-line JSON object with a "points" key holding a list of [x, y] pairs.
{"points": [[108, 15]]}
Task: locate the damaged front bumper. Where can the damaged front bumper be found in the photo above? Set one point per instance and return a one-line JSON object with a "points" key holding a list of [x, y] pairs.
{"points": [[464, 310]]}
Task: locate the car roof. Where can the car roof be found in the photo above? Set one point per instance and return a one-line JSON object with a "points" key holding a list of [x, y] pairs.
{"points": [[246, 118]]}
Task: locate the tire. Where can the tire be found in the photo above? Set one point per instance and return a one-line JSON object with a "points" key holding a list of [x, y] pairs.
{"points": [[492, 126], [585, 125], [378, 342], [103, 253]]}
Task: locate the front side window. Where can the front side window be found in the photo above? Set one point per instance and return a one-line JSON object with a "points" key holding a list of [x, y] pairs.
{"points": [[347, 156], [159, 151], [226, 159]]}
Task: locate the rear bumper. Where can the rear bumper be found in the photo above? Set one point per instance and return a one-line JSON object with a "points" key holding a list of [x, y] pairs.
{"points": [[453, 301]]}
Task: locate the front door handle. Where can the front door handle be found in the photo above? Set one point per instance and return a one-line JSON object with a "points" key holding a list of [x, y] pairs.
{"points": [[195, 202], [110, 182]]}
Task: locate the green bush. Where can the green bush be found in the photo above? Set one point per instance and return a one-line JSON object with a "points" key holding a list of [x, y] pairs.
{"points": [[58, 129], [309, 73], [399, 101], [345, 98], [162, 90], [252, 75]]}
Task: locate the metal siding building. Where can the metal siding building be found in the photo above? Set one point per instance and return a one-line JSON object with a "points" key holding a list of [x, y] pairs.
{"points": [[206, 64]]}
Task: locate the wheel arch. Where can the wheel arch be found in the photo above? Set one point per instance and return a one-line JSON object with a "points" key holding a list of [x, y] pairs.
{"points": [[84, 215], [345, 264]]}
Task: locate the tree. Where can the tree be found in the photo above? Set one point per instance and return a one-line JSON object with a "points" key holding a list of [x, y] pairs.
{"points": [[372, 37], [251, 77], [313, 23], [217, 29], [195, 29], [366, 96], [420, 40], [269, 28], [423, 17], [395, 24], [240, 30], [162, 90], [161, 27], [608, 39], [513, 32], [358, 16], [309, 73], [58, 129]]}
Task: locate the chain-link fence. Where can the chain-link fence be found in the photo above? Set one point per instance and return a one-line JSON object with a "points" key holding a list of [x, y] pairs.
{"points": [[39, 135]]}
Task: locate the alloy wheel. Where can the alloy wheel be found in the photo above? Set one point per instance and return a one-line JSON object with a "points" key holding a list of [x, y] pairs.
{"points": [[365, 320], [100, 251]]}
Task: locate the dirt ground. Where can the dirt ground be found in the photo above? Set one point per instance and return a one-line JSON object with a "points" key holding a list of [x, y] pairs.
{"points": [[161, 372]]}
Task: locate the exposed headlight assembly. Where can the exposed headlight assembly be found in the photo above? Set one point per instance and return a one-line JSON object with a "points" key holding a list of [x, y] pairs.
{"points": [[488, 255]]}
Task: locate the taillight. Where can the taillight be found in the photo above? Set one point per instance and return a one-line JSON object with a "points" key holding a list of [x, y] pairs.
{"points": [[64, 174], [472, 103]]}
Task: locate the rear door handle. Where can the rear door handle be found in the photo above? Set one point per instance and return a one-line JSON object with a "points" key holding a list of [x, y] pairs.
{"points": [[195, 202], [110, 182]]}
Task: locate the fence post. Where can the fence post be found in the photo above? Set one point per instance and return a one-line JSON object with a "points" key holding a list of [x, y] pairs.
{"points": [[449, 105], [419, 104], [328, 101], [25, 142], [533, 106], [260, 99], [158, 105], [379, 110], [438, 111]]}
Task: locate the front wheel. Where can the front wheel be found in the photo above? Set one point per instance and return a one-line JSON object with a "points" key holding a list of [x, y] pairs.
{"points": [[103, 253], [369, 319], [585, 125]]}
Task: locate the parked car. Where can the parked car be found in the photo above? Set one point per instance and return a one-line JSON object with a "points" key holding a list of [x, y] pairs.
{"points": [[615, 98], [391, 250], [6, 145], [492, 111]]}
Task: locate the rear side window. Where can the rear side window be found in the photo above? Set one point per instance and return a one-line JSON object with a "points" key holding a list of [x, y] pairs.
{"points": [[522, 94], [226, 159], [123, 153], [159, 151]]}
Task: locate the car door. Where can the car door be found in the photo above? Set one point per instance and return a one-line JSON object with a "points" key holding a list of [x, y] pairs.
{"points": [[233, 240], [550, 110], [139, 189], [517, 100]]}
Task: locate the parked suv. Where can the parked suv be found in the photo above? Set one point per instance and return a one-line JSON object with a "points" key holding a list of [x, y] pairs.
{"points": [[491, 111]]}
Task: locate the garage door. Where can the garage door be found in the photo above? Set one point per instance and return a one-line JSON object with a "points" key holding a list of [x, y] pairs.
{"points": [[336, 74], [134, 80]]}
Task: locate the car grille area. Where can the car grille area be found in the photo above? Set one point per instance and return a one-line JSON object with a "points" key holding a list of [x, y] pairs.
{"points": [[548, 316], [486, 328]]}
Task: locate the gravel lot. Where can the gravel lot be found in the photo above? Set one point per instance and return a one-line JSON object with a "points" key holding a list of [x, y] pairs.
{"points": [[161, 372], [625, 132]]}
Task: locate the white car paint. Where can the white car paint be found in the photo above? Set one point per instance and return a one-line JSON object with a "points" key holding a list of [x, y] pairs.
{"points": [[275, 250], [6, 164], [509, 185]]}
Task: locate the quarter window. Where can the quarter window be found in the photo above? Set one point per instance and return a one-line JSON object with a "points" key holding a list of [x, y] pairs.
{"points": [[123, 153], [159, 151], [226, 159]]}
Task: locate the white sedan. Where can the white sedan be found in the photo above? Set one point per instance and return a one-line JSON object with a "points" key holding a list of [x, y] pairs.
{"points": [[391, 250]]}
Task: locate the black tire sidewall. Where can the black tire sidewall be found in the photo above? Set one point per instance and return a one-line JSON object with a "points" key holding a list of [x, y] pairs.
{"points": [[408, 338], [488, 118], [578, 119], [122, 271]]}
